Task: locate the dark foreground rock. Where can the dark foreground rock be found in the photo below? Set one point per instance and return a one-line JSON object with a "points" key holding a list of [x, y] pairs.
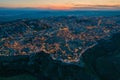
{"points": [[104, 59], [56, 70], [102, 62], [43, 67]]}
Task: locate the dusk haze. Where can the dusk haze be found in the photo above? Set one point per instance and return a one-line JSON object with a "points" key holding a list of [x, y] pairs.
{"points": [[61, 4]]}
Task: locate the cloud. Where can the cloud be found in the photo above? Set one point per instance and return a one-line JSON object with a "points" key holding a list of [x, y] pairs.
{"points": [[85, 6]]}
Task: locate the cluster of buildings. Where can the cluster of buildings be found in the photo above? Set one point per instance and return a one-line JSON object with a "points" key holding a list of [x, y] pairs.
{"points": [[64, 38]]}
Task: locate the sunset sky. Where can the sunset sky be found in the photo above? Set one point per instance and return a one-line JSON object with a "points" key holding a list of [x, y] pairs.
{"points": [[62, 4]]}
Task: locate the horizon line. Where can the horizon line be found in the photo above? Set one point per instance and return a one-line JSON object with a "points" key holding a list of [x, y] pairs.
{"points": [[75, 7]]}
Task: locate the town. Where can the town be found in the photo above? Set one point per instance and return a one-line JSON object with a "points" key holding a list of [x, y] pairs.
{"points": [[65, 38]]}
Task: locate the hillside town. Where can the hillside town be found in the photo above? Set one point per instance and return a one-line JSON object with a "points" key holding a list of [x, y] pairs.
{"points": [[65, 38]]}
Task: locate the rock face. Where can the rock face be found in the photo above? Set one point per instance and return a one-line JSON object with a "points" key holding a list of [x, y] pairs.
{"points": [[104, 59], [10, 65], [42, 66], [102, 62]]}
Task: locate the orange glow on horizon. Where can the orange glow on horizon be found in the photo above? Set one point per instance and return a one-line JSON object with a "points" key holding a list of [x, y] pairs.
{"points": [[57, 7], [67, 6], [61, 4], [81, 6]]}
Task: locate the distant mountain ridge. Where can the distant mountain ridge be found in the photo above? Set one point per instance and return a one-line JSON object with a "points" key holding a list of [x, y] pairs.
{"points": [[11, 14]]}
